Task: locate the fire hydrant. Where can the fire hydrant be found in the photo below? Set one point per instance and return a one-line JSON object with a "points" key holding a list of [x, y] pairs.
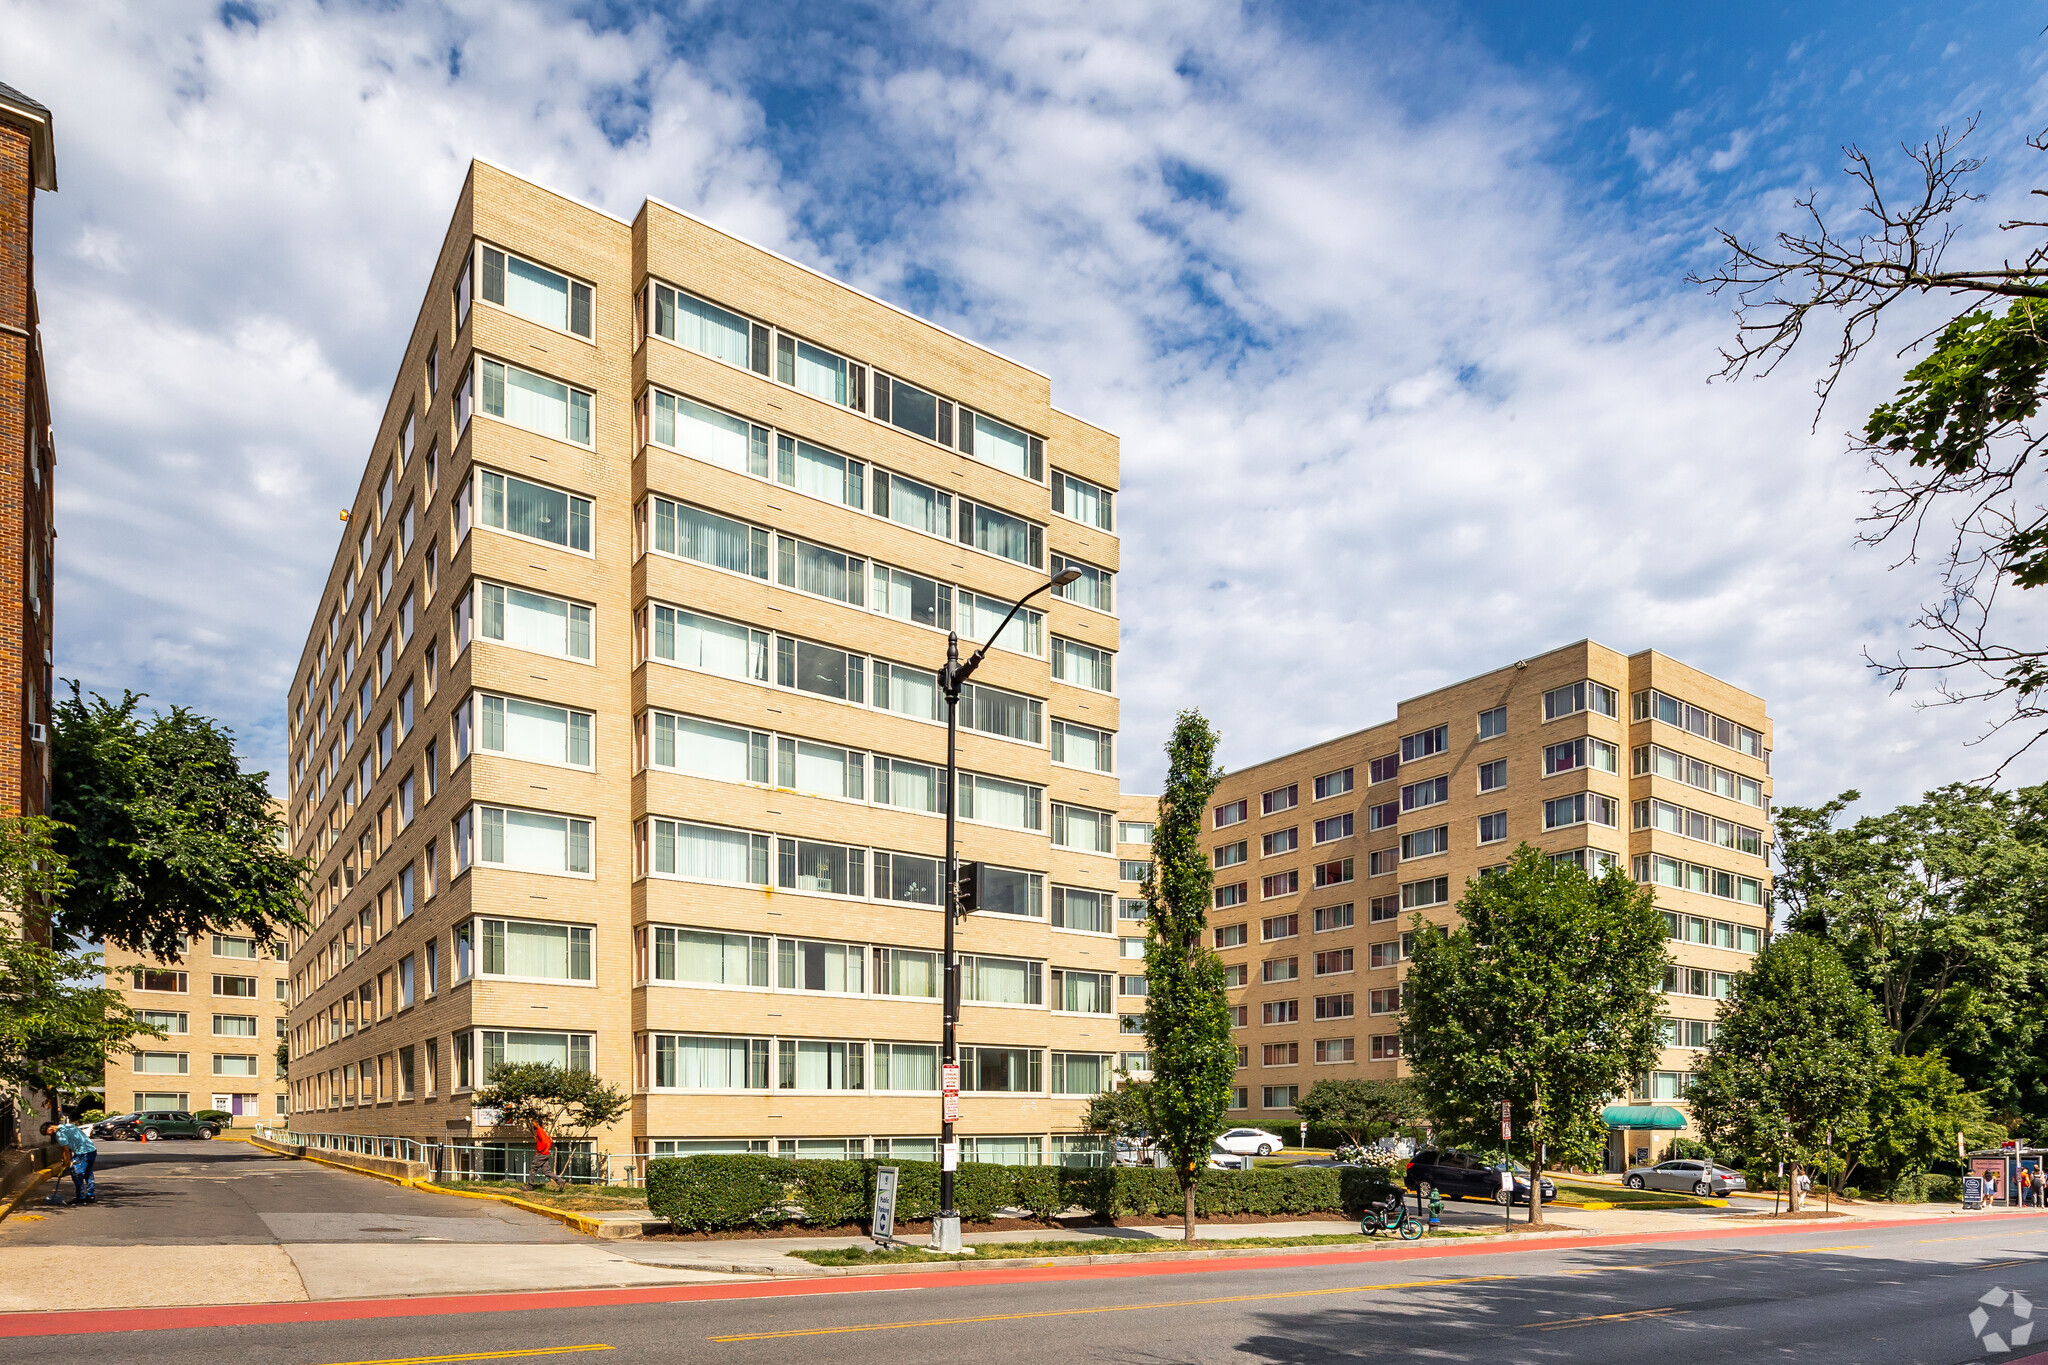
{"points": [[1436, 1208]]}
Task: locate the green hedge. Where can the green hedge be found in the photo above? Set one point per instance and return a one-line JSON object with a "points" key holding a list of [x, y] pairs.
{"points": [[722, 1193]]}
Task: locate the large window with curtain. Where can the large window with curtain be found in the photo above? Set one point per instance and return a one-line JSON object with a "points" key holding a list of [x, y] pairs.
{"points": [[536, 951]]}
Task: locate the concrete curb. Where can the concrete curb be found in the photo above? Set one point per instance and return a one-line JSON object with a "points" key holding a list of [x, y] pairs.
{"points": [[14, 1200]]}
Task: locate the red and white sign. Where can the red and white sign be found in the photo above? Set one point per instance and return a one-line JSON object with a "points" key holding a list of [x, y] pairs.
{"points": [[949, 1085], [1505, 1109]]}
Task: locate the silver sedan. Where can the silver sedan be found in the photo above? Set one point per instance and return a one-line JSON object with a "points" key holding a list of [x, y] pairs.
{"points": [[1685, 1177]]}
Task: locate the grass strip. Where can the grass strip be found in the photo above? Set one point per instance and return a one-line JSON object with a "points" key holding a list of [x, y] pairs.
{"points": [[574, 1199], [1093, 1246], [1622, 1197]]}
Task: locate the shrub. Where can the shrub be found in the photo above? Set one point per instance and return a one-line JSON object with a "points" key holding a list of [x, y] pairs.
{"points": [[719, 1193], [92, 1115], [1038, 1190], [216, 1116], [1924, 1187], [1142, 1191], [832, 1192]]}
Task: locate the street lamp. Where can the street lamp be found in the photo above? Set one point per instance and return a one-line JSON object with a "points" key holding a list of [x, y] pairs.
{"points": [[946, 1227]]}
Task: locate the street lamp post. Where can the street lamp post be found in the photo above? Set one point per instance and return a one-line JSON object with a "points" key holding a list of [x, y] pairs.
{"points": [[946, 1227]]}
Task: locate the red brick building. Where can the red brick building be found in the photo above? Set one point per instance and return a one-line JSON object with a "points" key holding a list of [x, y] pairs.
{"points": [[28, 162]]}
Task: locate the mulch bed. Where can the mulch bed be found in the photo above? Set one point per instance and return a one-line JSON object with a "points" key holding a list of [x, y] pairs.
{"points": [[906, 1229]]}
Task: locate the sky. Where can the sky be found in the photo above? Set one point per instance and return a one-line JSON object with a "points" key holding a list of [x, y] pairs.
{"points": [[1387, 304]]}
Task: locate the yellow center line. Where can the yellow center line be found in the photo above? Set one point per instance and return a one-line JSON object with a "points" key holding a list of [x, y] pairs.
{"points": [[1635, 1315], [1084, 1312], [484, 1355]]}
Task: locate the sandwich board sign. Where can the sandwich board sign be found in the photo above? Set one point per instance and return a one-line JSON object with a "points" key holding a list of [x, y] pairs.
{"points": [[883, 1227]]}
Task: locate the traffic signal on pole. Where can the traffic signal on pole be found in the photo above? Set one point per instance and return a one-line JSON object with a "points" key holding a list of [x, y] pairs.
{"points": [[967, 889]]}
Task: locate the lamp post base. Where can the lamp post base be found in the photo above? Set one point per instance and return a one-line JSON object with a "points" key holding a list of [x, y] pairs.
{"points": [[945, 1233]]}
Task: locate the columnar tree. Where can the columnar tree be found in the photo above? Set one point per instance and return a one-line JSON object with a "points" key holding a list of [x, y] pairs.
{"points": [[1187, 1018], [170, 840], [1790, 1070], [1546, 998]]}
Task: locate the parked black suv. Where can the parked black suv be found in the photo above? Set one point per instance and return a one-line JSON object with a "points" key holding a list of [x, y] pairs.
{"points": [[1462, 1175]]}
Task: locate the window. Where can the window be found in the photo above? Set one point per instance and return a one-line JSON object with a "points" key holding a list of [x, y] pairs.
{"points": [[996, 532], [535, 402], [162, 1063], [1280, 884], [1016, 1070], [706, 748], [1581, 808], [820, 670], [1232, 814], [1385, 769], [1333, 784], [1493, 828], [704, 643], [909, 692], [802, 965], [1428, 792], [1384, 1001], [167, 1021], [1493, 776], [1081, 501], [227, 946], [1382, 909], [531, 841], [1087, 911], [1134, 832], [532, 730], [1229, 855], [1278, 1096], [1132, 870], [1279, 926], [1662, 870], [1493, 724], [705, 328], [234, 1026], [1082, 1073], [1579, 696], [1009, 715], [1425, 843], [1230, 935], [1079, 746], [1333, 1050], [1083, 992], [1007, 891], [1280, 1012], [909, 786], [1083, 830], [1004, 447], [820, 769], [707, 538], [1335, 827], [1280, 1054], [1433, 891], [243, 987], [1692, 824], [1228, 896], [1653, 760], [916, 505], [1082, 665], [707, 434], [1671, 711], [820, 571], [1334, 1006], [1423, 743], [1333, 917], [1333, 961], [1280, 799], [1386, 1047], [536, 952], [1382, 862], [535, 292], [570, 1051], [1095, 587], [1574, 754], [1383, 816], [525, 620], [1280, 841], [1334, 873], [1236, 974], [927, 602], [819, 868], [907, 972]]}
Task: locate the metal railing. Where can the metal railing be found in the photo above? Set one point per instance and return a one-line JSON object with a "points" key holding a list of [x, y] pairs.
{"points": [[576, 1163]]}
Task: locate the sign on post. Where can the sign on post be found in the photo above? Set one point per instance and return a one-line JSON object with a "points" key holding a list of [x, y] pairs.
{"points": [[883, 1228], [1973, 1191], [1505, 1109], [949, 1156], [949, 1085]]}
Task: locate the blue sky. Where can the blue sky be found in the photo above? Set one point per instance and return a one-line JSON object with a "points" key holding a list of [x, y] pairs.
{"points": [[1385, 301]]}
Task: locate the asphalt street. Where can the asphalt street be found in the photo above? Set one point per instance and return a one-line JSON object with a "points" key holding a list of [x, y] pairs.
{"points": [[1846, 1292]]}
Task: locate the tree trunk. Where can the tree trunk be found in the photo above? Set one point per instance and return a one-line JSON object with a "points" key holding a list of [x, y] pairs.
{"points": [[1536, 1184], [1187, 1225], [1793, 1203]]}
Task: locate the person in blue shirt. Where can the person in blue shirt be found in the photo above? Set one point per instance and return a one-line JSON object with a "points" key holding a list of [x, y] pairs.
{"points": [[83, 1154]]}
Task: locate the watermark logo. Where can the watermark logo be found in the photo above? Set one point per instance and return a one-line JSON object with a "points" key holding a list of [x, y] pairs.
{"points": [[2019, 1334]]}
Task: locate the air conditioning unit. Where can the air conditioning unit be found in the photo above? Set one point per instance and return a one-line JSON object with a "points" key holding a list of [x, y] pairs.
{"points": [[37, 734]]}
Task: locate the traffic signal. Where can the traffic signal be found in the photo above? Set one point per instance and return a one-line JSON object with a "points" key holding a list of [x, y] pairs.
{"points": [[967, 888]]}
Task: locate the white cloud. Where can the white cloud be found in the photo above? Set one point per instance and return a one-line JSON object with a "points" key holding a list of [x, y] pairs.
{"points": [[1399, 401]]}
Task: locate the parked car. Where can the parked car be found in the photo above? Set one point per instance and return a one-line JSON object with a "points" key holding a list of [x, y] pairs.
{"points": [[165, 1123], [1689, 1177], [111, 1127], [1248, 1142], [1463, 1175]]}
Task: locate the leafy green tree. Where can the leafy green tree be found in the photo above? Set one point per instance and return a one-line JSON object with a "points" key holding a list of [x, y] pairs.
{"points": [[1937, 909], [572, 1104], [1916, 1108], [1363, 1110], [1792, 1064], [1546, 997], [1124, 1111], [59, 1020], [1187, 1017], [169, 839]]}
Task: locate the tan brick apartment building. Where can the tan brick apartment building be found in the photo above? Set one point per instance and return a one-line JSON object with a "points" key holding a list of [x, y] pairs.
{"points": [[1322, 857], [222, 1011], [615, 737]]}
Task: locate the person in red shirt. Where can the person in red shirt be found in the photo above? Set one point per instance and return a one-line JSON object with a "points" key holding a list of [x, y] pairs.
{"points": [[542, 1168]]}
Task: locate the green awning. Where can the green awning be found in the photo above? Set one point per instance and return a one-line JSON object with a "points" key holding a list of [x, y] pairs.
{"points": [[1642, 1116]]}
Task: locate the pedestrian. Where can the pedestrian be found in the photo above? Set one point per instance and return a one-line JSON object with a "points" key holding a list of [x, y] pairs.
{"points": [[543, 1168], [2026, 1186], [83, 1154]]}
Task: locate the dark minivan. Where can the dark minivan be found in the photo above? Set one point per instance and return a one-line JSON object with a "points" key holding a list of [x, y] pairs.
{"points": [[1462, 1175]]}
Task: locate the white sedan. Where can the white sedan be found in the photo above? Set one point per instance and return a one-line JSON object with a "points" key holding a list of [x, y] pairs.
{"points": [[1248, 1142]]}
